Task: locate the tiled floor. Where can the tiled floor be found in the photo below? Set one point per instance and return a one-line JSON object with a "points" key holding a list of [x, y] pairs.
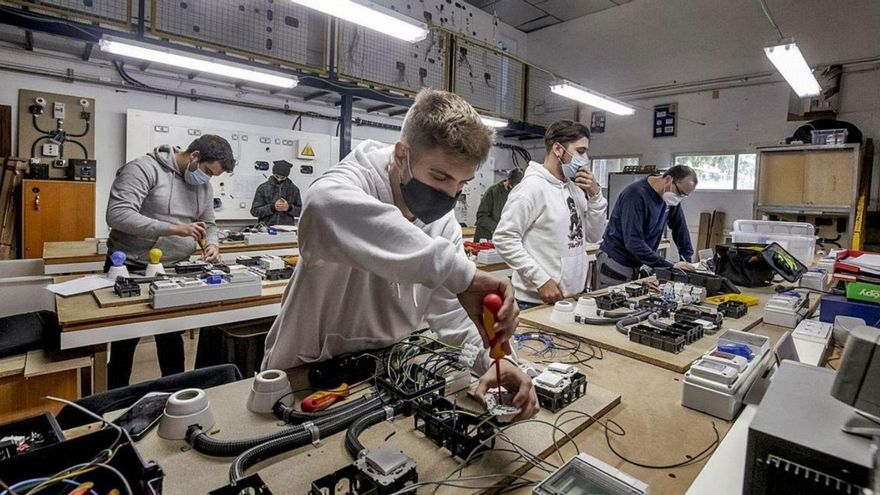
{"points": [[146, 365]]}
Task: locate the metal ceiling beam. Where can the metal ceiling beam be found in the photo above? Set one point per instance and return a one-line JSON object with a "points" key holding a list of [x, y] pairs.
{"points": [[316, 94], [378, 108], [339, 103]]}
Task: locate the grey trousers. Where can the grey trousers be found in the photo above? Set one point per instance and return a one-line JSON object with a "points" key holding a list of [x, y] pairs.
{"points": [[613, 273]]}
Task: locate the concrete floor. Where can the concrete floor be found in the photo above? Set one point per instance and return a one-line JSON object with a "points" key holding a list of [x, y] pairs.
{"points": [[146, 364]]}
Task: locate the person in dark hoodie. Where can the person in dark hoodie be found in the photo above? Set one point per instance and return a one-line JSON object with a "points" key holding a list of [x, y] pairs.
{"points": [[164, 200], [277, 201]]}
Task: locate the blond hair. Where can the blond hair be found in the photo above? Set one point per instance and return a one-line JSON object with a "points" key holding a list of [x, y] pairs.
{"points": [[445, 121]]}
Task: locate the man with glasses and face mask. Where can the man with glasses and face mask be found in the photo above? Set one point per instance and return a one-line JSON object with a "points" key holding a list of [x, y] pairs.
{"points": [[381, 251], [164, 200], [643, 211], [547, 221]]}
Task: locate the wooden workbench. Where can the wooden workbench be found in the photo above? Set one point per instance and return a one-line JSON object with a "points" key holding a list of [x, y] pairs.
{"points": [[607, 336], [187, 471], [82, 256], [84, 323]]}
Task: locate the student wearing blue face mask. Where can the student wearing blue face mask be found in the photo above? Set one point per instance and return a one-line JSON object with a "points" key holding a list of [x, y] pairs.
{"points": [[164, 200], [550, 217]]}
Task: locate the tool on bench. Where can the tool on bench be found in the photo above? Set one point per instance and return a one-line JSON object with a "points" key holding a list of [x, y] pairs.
{"points": [[491, 305], [323, 399]]}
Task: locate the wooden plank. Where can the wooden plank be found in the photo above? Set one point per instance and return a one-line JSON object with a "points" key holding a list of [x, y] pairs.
{"points": [[107, 297], [29, 393], [703, 231], [716, 232], [609, 338], [828, 178], [190, 472], [82, 311], [71, 252], [12, 365], [781, 180], [40, 362]]}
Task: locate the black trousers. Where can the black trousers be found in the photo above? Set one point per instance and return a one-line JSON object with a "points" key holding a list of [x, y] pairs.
{"points": [[169, 348]]}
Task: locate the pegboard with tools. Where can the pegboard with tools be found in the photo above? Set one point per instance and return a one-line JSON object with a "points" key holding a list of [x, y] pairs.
{"points": [[117, 12], [280, 32], [488, 79], [255, 147], [543, 107], [57, 132], [402, 66]]}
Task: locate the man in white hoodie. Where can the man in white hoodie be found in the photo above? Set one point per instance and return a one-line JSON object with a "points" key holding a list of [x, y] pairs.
{"points": [[381, 251], [548, 219]]}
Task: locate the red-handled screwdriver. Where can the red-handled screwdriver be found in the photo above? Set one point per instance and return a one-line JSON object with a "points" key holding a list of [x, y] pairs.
{"points": [[491, 305]]}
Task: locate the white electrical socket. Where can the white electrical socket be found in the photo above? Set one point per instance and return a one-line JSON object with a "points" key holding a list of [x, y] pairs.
{"points": [[50, 149], [58, 110]]}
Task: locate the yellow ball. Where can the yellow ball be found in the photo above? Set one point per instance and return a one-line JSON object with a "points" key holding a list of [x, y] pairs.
{"points": [[155, 255]]}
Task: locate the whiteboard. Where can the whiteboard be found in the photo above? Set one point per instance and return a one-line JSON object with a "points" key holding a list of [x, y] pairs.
{"points": [[250, 144]]}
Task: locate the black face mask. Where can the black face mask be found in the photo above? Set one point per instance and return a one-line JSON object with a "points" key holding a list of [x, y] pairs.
{"points": [[425, 202]]}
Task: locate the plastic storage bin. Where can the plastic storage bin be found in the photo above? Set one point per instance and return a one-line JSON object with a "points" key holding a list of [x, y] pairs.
{"points": [[830, 136], [797, 238]]}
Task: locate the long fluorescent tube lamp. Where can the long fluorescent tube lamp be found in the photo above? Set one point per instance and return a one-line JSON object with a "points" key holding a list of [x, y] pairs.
{"points": [[193, 64], [371, 16], [791, 64], [493, 122], [586, 96]]}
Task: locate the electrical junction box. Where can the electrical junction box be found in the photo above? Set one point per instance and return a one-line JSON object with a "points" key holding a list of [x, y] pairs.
{"points": [[58, 110], [720, 397], [786, 309], [50, 149], [813, 331], [176, 292], [585, 474]]}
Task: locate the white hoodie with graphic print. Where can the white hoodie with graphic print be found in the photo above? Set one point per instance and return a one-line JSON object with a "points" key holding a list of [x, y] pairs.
{"points": [[543, 232]]}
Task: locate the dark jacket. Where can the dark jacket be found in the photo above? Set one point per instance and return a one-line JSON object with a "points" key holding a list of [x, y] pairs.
{"points": [[268, 193], [637, 224], [489, 211]]}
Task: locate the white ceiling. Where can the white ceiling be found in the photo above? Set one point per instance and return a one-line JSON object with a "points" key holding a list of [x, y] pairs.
{"points": [[531, 15]]}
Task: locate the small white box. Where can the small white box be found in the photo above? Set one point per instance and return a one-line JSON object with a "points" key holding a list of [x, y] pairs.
{"points": [[786, 309], [563, 369], [813, 331]]}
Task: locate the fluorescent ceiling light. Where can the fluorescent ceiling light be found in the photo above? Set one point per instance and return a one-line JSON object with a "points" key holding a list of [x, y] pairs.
{"points": [[193, 64], [371, 16], [579, 93], [493, 122], [791, 64]]}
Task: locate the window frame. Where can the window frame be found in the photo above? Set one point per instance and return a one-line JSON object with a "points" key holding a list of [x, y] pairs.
{"points": [[611, 157], [735, 154]]}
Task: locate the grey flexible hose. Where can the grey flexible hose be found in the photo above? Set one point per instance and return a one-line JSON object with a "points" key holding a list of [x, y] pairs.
{"points": [[636, 317], [205, 444], [654, 321], [353, 444], [327, 427]]}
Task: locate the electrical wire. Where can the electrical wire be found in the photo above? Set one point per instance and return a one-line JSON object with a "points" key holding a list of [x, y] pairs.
{"points": [[770, 18]]}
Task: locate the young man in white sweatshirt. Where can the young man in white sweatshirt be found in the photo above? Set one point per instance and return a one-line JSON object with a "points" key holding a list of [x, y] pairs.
{"points": [[548, 219], [381, 251]]}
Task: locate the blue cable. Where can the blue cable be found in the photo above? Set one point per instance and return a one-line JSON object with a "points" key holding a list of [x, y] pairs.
{"points": [[35, 481]]}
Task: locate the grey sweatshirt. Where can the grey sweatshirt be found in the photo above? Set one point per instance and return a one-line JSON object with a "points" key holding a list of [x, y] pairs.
{"points": [[147, 197]]}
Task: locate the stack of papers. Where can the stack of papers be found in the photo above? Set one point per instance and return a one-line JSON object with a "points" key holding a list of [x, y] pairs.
{"points": [[867, 262], [80, 285]]}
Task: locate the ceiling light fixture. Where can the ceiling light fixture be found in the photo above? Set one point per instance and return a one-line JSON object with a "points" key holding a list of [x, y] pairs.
{"points": [[586, 96]]}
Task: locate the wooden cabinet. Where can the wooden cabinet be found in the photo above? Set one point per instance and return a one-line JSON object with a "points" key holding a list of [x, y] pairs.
{"points": [[810, 182], [55, 210]]}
